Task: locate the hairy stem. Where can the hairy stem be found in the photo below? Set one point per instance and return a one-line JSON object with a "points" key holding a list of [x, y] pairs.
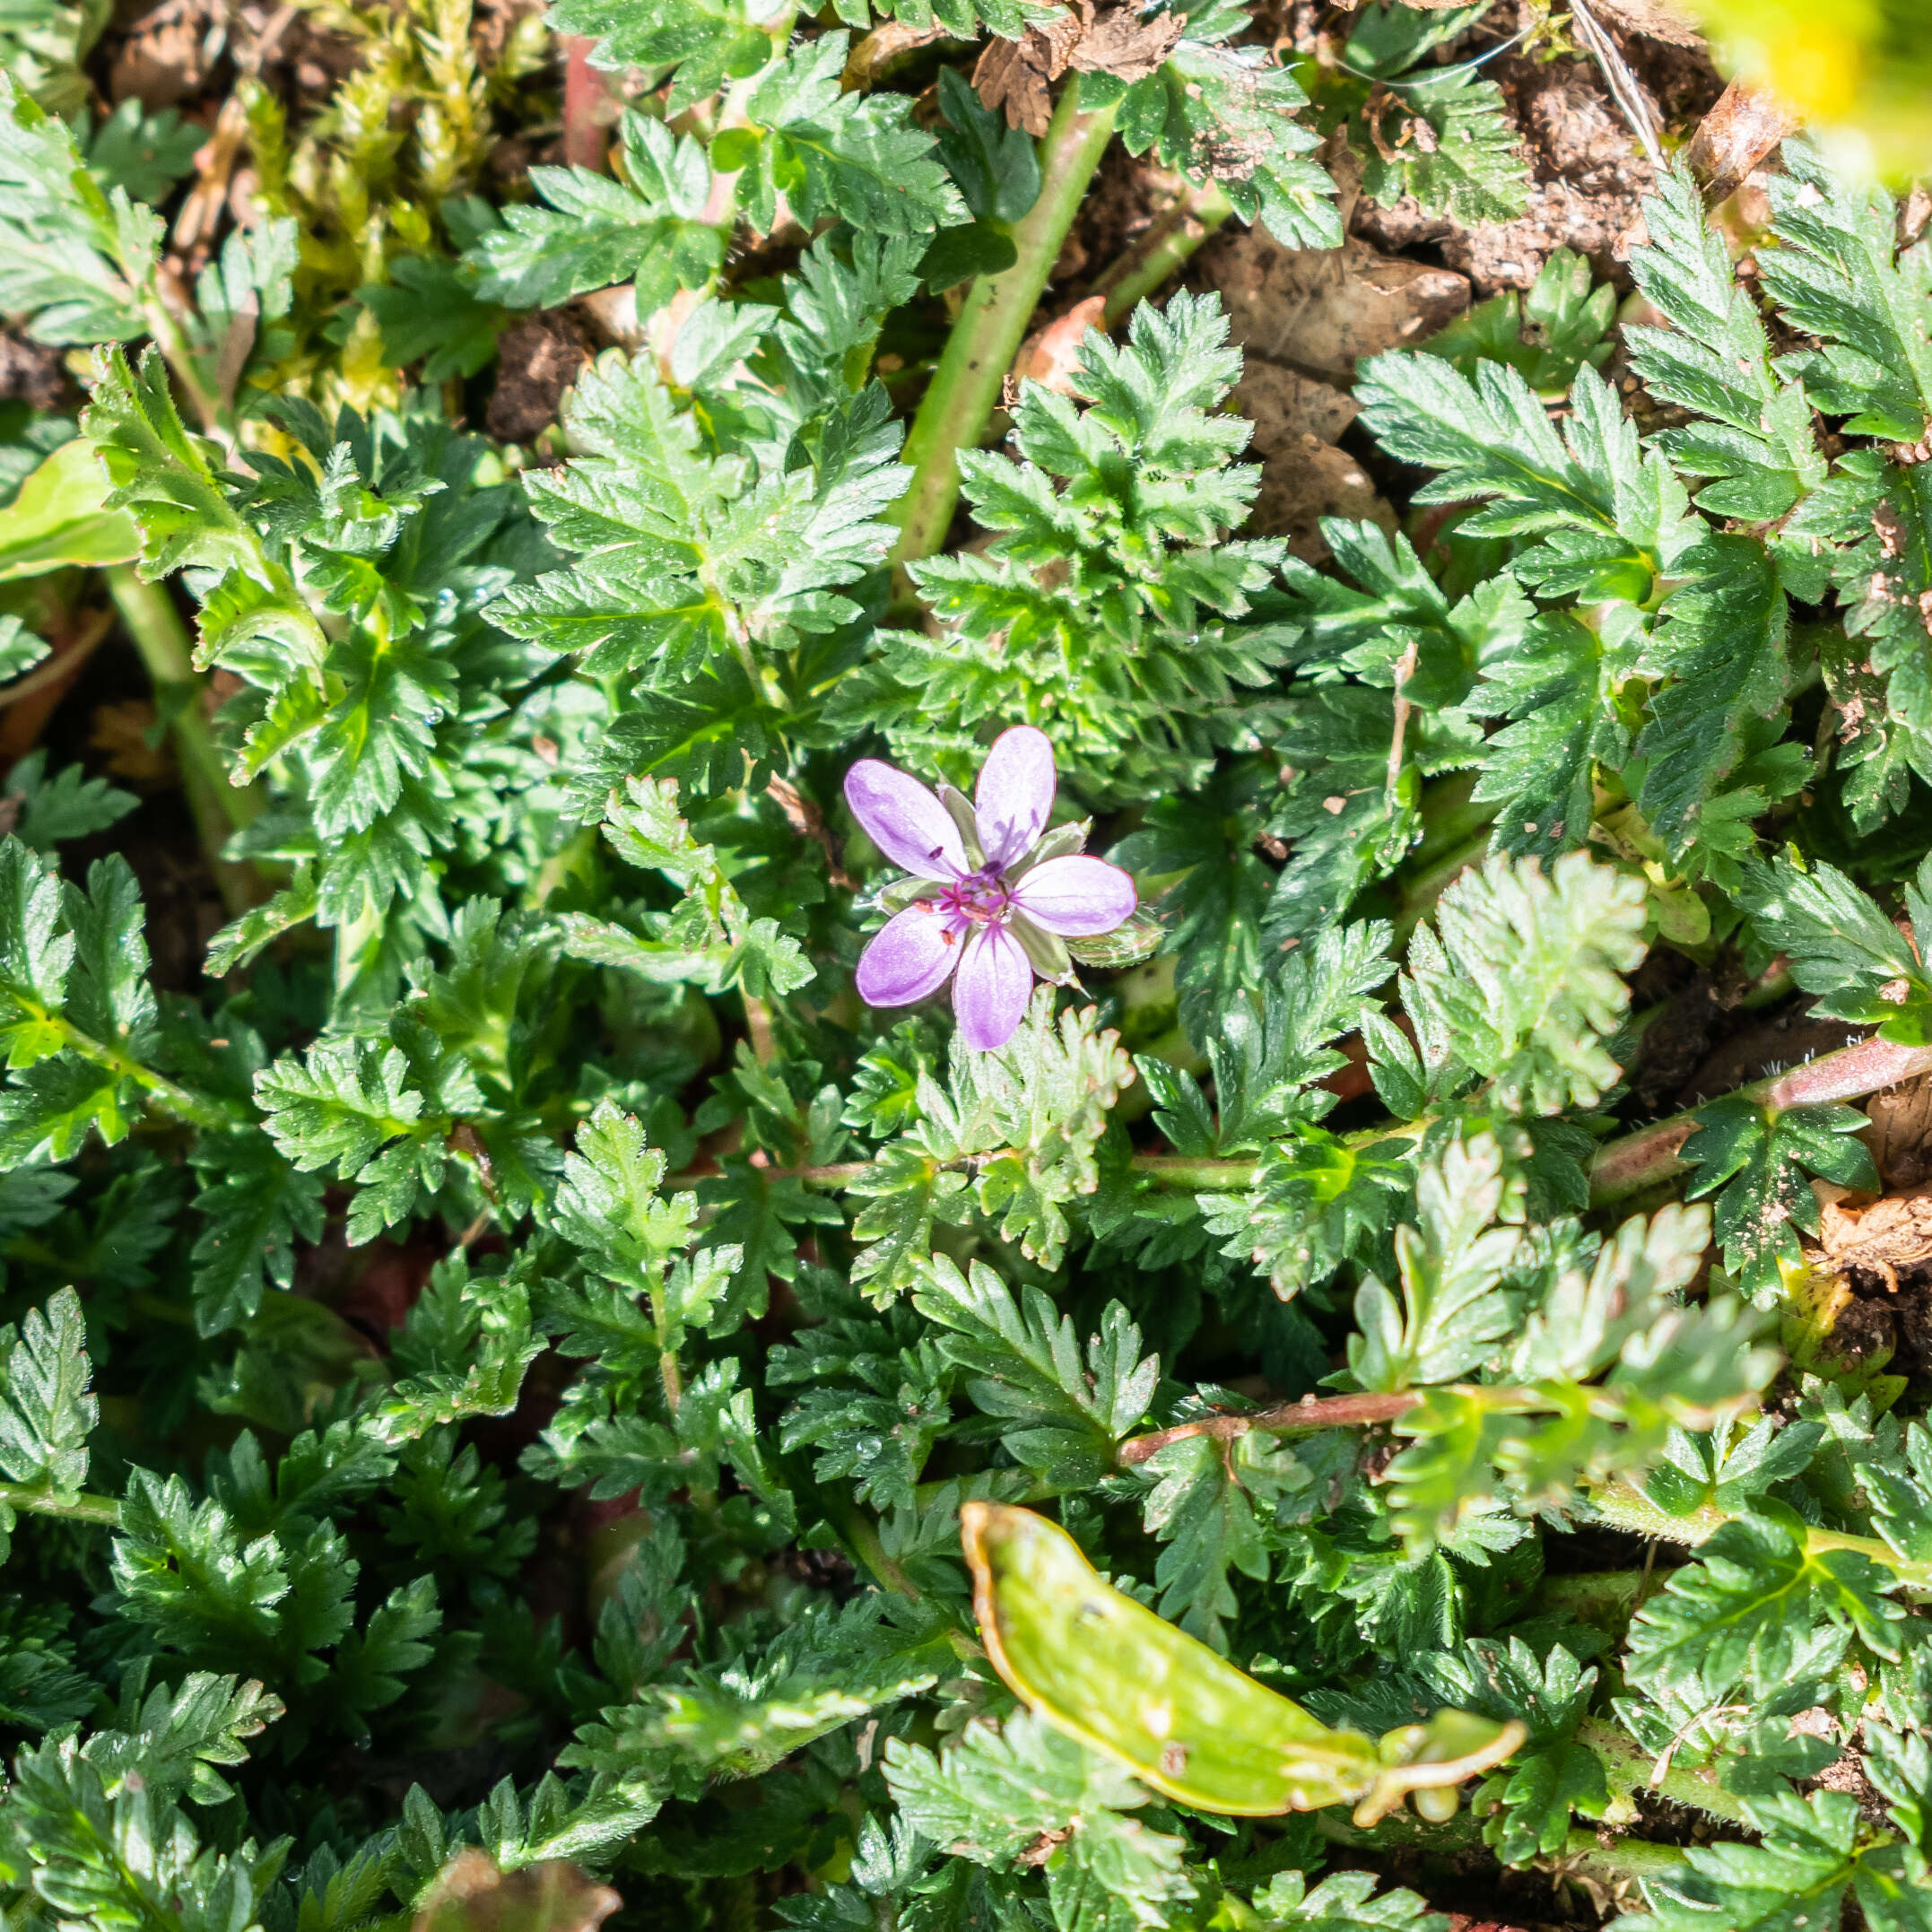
{"points": [[76, 1508], [1653, 1155], [966, 387], [160, 1093], [1618, 1862], [219, 808], [1622, 1860], [1624, 1506], [1629, 1767], [1285, 1418], [1606, 1597], [585, 134]]}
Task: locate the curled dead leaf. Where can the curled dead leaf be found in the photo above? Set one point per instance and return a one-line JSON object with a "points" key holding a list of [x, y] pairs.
{"points": [[1745, 126], [470, 1894], [1123, 44], [1018, 75], [1883, 1235], [1051, 356]]}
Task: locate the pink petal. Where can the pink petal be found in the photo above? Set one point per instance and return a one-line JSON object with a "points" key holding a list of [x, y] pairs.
{"points": [[1075, 896], [905, 821], [990, 993], [908, 959], [1014, 794]]}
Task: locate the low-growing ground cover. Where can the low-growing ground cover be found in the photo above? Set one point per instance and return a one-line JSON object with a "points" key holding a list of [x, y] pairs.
{"points": [[963, 968]]}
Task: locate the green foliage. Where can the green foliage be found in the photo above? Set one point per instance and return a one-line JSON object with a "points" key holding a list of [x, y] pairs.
{"points": [[1023, 1124], [1062, 1409], [46, 1412], [1810, 1859], [79, 262], [1448, 143], [594, 230], [1519, 983], [1111, 597], [1759, 1155], [997, 1795], [1757, 1603], [501, 1339], [1559, 327]]}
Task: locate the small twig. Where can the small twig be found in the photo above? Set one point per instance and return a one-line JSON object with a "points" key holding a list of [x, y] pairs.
{"points": [[1653, 1155], [87, 640], [1405, 670], [808, 821], [585, 135], [1624, 86], [1161, 248], [1285, 1418]]}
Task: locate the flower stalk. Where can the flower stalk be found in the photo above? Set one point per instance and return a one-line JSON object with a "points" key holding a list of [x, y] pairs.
{"points": [[1167, 243], [219, 808]]}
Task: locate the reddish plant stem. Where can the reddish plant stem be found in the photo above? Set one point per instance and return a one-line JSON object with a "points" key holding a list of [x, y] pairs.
{"points": [[1653, 1155], [585, 135], [1285, 1418]]}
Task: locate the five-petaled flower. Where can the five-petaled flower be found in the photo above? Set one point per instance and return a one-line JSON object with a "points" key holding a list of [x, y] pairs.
{"points": [[1003, 900]]}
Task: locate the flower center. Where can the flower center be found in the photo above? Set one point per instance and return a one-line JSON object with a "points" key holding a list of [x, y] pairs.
{"points": [[980, 898]]}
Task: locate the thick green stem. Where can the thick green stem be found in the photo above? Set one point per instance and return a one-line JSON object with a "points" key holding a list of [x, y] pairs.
{"points": [[1606, 1597], [76, 1508], [1619, 1862], [1629, 1767], [219, 808], [1623, 1859], [965, 389]]}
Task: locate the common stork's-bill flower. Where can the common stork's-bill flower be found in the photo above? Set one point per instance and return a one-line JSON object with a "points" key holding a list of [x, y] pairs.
{"points": [[1003, 900]]}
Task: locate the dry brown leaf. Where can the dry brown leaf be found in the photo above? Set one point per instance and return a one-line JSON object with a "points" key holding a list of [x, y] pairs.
{"points": [[1737, 133], [884, 46], [1307, 481], [472, 1895], [130, 734], [1884, 1235], [1013, 75], [170, 54], [1122, 43], [1018, 75], [1650, 17]]}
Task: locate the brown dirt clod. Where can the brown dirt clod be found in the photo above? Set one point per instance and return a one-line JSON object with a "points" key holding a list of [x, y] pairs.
{"points": [[536, 362], [1320, 310]]}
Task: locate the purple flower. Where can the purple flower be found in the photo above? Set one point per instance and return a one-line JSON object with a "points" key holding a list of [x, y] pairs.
{"points": [[995, 901]]}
